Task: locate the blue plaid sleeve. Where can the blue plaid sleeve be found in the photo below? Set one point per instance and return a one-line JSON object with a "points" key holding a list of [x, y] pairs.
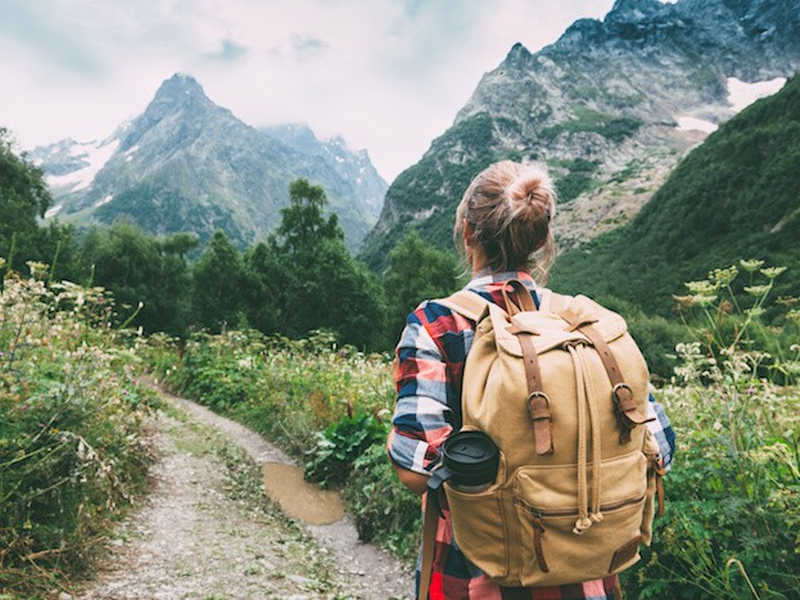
{"points": [[662, 431], [422, 417]]}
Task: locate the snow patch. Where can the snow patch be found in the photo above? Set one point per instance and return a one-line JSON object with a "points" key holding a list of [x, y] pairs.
{"points": [[53, 211], [128, 158], [692, 123], [132, 149], [339, 159], [742, 94], [105, 200], [96, 155]]}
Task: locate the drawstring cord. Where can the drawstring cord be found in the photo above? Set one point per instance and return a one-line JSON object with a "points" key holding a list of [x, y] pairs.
{"points": [[583, 522], [595, 515]]}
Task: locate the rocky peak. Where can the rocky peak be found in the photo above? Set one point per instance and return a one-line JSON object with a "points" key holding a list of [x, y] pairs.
{"points": [[517, 57], [633, 11], [179, 92]]}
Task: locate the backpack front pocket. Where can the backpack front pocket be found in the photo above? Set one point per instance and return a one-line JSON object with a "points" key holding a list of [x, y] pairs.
{"points": [[480, 528], [555, 554]]}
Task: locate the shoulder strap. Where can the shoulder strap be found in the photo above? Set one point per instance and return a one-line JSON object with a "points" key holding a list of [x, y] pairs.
{"points": [[466, 303], [430, 524]]}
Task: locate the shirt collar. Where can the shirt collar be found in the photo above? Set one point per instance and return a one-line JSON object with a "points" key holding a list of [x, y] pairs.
{"points": [[485, 277]]}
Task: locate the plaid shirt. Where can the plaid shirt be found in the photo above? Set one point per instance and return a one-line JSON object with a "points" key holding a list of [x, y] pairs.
{"points": [[430, 363]]}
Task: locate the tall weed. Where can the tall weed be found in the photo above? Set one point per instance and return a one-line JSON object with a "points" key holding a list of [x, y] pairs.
{"points": [[72, 454]]}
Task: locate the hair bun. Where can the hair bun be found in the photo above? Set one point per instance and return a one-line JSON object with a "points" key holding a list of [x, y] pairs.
{"points": [[531, 195]]}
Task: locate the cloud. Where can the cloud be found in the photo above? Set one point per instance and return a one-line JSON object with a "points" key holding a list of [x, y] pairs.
{"points": [[305, 46], [48, 39], [387, 75], [229, 51]]}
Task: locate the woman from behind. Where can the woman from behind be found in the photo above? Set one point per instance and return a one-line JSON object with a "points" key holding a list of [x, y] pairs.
{"points": [[503, 223]]}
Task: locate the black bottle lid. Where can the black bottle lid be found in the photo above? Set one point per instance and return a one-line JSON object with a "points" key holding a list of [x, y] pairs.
{"points": [[471, 457]]}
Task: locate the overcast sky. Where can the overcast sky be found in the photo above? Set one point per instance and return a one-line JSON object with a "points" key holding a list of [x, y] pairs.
{"points": [[388, 75]]}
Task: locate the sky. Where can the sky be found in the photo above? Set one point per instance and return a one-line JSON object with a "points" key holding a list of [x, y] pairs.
{"points": [[387, 75]]}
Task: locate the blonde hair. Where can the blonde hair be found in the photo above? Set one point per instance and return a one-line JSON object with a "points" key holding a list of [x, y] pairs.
{"points": [[509, 207]]}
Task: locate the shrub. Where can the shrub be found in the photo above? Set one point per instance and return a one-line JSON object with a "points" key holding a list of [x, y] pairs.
{"points": [[331, 459], [72, 454]]}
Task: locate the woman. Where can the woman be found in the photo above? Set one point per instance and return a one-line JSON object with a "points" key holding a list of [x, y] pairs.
{"points": [[503, 222]]}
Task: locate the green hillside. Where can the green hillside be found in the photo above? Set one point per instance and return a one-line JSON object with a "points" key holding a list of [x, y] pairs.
{"points": [[735, 196]]}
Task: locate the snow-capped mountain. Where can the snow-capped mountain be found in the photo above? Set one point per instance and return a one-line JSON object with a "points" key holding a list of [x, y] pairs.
{"points": [[186, 164]]}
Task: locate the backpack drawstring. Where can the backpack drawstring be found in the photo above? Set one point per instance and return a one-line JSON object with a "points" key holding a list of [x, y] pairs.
{"points": [[595, 515], [583, 522], [586, 408]]}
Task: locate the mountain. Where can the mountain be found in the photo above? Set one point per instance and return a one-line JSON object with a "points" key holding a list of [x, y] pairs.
{"points": [[736, 196], [610, 107], [186, 164]]}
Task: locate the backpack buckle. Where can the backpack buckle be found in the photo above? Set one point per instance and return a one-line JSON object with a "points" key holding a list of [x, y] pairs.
{"points": [[539, 409]]}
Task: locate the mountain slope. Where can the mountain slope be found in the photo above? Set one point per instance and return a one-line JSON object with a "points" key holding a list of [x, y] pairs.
{"points": [[610, 107], [735, 196], [186, 164]]}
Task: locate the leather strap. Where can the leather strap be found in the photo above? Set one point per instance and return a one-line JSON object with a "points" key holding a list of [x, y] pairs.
{"points": [[430, 523], [628, 413], [538, 402], [522, 297]]}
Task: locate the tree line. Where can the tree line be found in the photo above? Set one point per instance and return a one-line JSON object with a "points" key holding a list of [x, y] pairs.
{"points": [[299, 279]]}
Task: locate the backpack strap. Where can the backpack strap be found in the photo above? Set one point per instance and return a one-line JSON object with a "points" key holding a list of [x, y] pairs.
{"points": [[430, 523], [466, 303]]}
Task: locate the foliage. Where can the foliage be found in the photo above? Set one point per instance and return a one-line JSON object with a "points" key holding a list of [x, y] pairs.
{"points": [[416, 272], [138, 267], [72, 453], [615, 129], [217, 277], [725, 324], [23, 194], [734, 195], [734, 492], [577, 180], [385, 512], [331, 459]]}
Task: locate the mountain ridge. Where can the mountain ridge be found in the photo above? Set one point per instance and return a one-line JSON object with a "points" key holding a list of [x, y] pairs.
{"points": [[607, 107], [187, 164]]}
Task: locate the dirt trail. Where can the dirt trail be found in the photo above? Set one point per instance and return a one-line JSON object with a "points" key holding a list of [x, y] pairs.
{"points": [[206, 531]]}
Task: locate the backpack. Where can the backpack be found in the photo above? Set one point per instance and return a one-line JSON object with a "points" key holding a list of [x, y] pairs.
{"points": [[559, 390]]}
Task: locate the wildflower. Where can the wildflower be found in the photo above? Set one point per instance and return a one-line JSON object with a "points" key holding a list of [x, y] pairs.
{"points": [[723, 277], [757, 290], [703, 287], [751, 265], [703, 299], [684, 301], [772, 272]]}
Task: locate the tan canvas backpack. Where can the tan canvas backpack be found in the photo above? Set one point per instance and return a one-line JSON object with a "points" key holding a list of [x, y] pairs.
{"points": [[562, 392]]}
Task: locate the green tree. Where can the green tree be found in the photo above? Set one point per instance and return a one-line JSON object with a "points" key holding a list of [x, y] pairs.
{"points": [[323, 286], [416, 271], [218, 277], [137, 267], [23, 198], [264, 289]]}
